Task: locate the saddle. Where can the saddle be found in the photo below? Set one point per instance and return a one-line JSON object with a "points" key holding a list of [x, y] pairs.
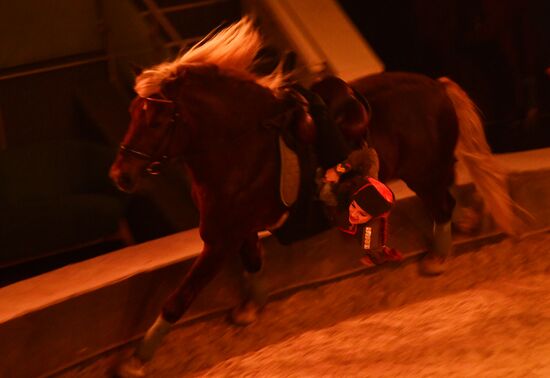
{"points": [[300, 130]]}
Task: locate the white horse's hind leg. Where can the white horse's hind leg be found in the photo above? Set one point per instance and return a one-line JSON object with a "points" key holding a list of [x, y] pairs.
{"points": [[436, 259], [135, 366]]}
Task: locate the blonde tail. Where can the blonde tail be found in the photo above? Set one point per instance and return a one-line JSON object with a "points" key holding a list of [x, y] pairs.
{"points": [[488, 176]]}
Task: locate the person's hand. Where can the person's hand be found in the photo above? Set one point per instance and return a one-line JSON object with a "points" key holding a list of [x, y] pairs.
{"points": [[331, 175]]}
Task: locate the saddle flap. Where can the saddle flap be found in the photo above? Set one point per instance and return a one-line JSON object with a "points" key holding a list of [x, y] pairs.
{"points": [[290, 174]]}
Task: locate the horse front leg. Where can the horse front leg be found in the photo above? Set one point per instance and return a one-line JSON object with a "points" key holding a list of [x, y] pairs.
{"points": [[254, 286], [203, 270]]}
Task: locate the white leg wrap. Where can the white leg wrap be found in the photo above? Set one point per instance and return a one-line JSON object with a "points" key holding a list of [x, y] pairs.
{"points": [[152, 339]]}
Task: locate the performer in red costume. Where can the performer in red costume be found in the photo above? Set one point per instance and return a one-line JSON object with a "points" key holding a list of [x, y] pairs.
{"points": [[358, 203], [367, 220]]}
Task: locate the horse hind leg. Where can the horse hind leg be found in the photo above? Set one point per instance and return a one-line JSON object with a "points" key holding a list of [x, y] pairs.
{"points": [[440, 204], [436, 259], [253, 281]]}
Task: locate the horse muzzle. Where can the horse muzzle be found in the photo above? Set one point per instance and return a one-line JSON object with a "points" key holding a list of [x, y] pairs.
{"points": [[123, 181]]}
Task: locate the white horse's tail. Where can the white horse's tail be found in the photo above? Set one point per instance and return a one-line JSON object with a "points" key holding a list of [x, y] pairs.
{"points": [[488, 176]]}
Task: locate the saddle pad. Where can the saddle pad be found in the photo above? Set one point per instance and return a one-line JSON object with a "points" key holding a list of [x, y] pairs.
{"points": [[290, 174]]}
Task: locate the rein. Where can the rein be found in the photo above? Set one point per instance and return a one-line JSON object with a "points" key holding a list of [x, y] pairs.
{"points": [[154, 164], [157, 160]]}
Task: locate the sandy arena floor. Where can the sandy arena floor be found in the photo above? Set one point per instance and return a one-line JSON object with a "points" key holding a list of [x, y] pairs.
{"points": [[488, 316]]}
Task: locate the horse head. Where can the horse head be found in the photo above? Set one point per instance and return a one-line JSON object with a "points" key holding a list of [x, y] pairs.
{"points": [[208, 108], [344, 106], [200, 110], [149, 141], [163, 120]]}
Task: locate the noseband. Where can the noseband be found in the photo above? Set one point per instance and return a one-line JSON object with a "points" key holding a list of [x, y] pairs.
{"points": [[154, 164], [155, 160]]}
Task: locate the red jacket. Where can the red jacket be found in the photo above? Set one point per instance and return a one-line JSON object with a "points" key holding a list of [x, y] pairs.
{"points": [[372, 235]]}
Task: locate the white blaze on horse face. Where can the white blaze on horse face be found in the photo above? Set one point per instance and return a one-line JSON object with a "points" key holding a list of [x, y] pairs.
{"points": [[358, 215]]}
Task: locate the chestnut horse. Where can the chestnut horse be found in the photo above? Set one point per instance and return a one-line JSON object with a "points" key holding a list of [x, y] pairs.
{"points": [[209, 112]]}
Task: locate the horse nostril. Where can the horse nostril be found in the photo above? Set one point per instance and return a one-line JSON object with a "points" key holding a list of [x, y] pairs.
{"points": [[125, 181]]}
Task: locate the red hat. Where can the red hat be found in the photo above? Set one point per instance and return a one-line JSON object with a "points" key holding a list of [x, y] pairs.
{"points": [[374, 197]]}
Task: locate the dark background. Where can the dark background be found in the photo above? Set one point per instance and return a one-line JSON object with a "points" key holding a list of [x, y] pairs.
{"points": [[497, 50]]}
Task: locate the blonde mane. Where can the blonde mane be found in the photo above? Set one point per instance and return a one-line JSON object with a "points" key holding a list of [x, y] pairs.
{"points": [[232, 49]]}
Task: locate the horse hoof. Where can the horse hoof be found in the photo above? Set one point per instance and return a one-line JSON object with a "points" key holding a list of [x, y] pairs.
{"points": [[246, 313], [433, 265], [131, 368]]}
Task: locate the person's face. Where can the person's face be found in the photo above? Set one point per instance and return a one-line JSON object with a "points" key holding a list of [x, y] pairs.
{"points": [[358, 215]]}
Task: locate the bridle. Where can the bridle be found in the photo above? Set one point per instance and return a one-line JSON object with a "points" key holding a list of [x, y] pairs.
{"points": [[156, 160], [154, 166]]}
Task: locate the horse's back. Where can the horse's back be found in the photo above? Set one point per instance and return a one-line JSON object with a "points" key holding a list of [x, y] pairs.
{"points": [[393, 81], [413, 124]]}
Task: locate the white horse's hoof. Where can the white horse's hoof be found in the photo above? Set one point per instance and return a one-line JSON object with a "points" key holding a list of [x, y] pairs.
{"points": [[431, 265], [131, 368], [246, 313]]}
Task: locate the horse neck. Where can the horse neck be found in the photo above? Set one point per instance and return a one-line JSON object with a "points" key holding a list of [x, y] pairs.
{"points": [[225, 133], [236, 188], [238, 160], [238, 171]]}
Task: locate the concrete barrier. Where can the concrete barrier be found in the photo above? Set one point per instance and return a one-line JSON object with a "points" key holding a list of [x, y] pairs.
{"points": [[66, 316]]}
